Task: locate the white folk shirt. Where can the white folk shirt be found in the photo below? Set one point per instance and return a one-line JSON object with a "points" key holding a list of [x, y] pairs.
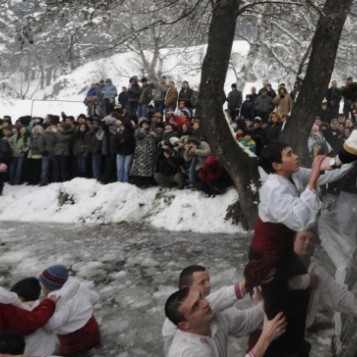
{"points": [[72, 311], [233, 323], [219, 300], [290, 202], [329, 294]]}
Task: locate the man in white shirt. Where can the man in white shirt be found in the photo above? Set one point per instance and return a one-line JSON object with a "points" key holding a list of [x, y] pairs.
{"points": [[203, 333], [328, 292], [197, 277]]}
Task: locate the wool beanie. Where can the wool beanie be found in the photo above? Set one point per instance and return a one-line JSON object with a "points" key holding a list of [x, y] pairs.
{"points": [[54, 277]]}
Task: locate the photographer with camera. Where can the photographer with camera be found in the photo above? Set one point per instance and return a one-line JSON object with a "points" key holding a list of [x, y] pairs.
{"points": [[169, 162], [283, 101], [196, 153]]}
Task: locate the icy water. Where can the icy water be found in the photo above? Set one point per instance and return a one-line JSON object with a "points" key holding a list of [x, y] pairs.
{"points": [[134, 268]]}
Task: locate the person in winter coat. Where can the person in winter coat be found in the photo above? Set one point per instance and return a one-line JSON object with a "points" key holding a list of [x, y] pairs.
{"points": [[109, 93], [5, 159], [19, 143], [248, 142], [123, 98], [258, 134], [333, 135], [134, 91], [81, 144], [264, 105], [125, 150], [247, 108], [73, 320], [234, 100], [271, 91], [333, 97], [91, 100], [283, 101], [47, 144], [187, 94], [97, 148], [214, 179], [34, 157], [160, 90], [145, 98], [273, 130], [169, 167], [62, 152], [196, 153], [144, 163], [171, 97]]}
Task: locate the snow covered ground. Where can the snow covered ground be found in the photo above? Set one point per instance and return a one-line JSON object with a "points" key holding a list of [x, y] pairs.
{"points": [[87, 201]]}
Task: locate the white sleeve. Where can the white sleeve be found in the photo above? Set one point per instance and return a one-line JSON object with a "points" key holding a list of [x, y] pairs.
{"points": [[335, 296], [168, 333], [243, 322], [58, 318], [222, 299], [296, 213], [334, 175], [299, 282], [93, 296], [10, 298]]}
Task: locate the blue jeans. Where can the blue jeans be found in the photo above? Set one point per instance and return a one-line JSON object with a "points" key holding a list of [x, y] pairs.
{"points": [[97, 166], [45, 168], [16, 170], [142, 110], [192, 174], [123, 167], [82, 165]]}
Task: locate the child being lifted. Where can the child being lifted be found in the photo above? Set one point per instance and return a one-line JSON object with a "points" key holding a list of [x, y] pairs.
{"points": [[289, 203]]}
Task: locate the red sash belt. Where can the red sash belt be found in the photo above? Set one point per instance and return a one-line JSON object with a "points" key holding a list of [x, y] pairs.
{"points": [[81, 340]]}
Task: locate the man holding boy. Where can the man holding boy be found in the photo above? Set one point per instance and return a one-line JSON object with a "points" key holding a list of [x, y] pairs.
{"points": [[197, 277]]}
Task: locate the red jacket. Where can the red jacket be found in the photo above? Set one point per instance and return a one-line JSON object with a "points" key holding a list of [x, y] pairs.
{"points": [[13, 318]]}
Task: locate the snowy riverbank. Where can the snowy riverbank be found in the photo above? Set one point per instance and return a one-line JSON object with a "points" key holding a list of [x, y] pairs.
{"points": [[87, 201]]}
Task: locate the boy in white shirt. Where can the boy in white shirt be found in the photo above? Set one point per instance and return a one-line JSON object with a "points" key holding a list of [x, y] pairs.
{"points": [[288, 203]]}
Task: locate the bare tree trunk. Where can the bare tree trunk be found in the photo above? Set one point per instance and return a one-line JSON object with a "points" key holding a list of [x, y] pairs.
{"points": [[49, 75], [241, 167], [320, 67], [246, 73]]}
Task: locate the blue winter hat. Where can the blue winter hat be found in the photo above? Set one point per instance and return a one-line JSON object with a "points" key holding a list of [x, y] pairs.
{"points": [[54, 277]]}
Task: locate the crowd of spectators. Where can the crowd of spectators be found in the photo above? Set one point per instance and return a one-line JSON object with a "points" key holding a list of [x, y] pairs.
{"points": [[150, 134]]}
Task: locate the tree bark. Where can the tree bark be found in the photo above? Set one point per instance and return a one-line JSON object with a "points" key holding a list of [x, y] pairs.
{"points": [[241, 167], [320, 67]]}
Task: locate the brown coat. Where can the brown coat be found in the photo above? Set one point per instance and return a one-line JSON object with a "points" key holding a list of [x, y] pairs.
{"points": [[171, 97], [283, 105]]}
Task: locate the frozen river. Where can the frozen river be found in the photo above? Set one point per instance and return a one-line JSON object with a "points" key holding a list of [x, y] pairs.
{"points": [[134, 268]]}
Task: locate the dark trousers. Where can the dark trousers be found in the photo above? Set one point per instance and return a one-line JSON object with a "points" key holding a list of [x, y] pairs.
{"points": [[159, 106], [294, 304], [2, 180], [109, 104], [133, 107], [60, 168], [346, 110], [33, 171]]}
